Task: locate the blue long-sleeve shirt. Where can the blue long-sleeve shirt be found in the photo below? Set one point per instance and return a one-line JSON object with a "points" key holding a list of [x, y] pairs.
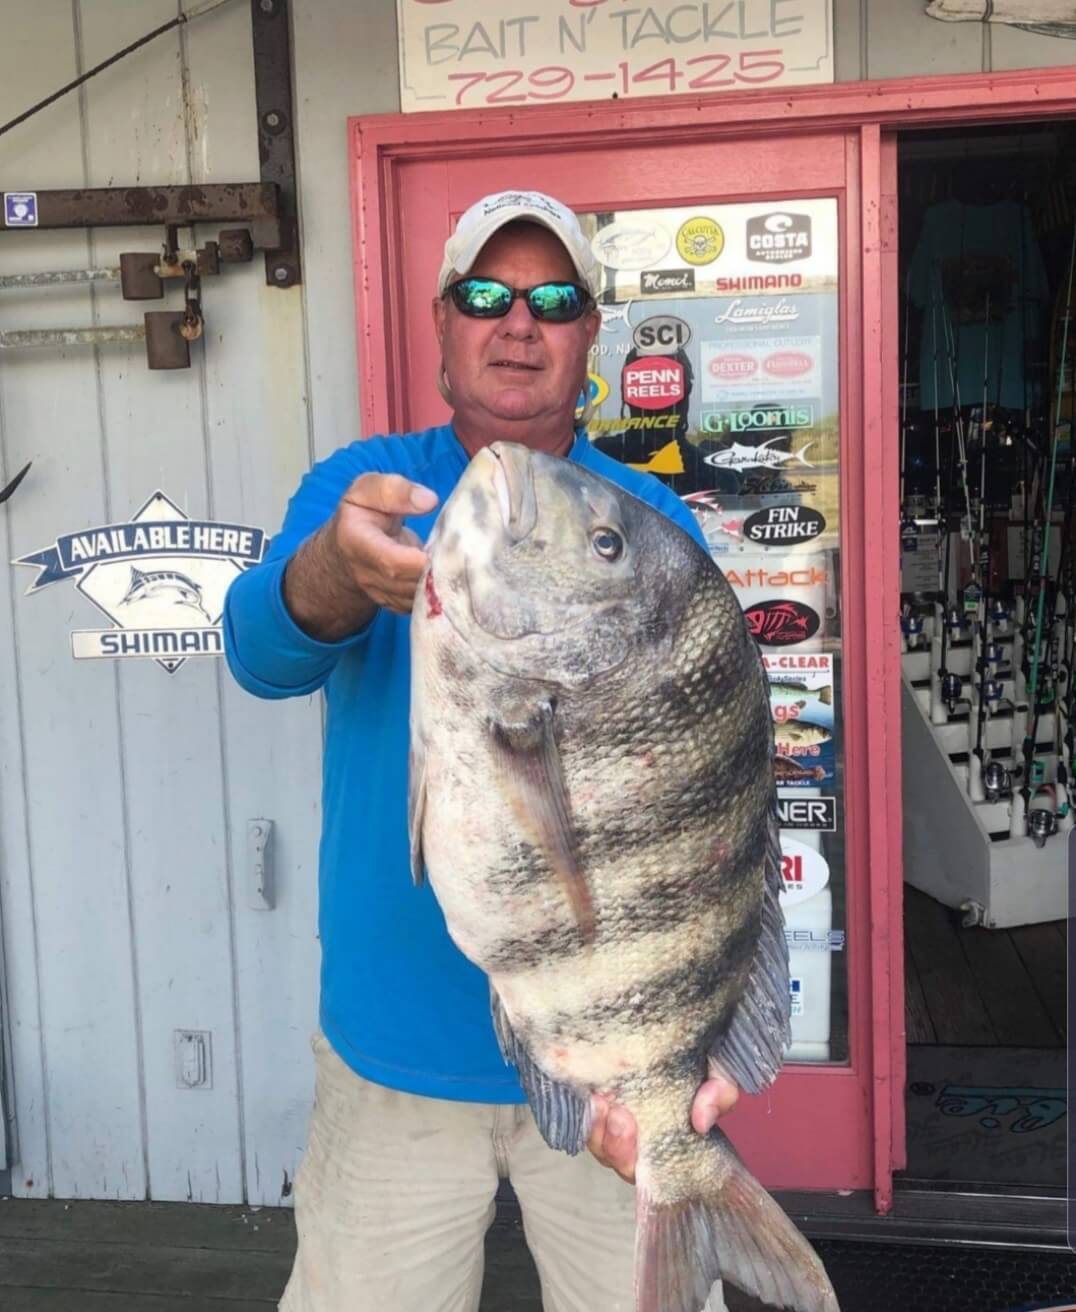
{"points": [[399, 1002]]}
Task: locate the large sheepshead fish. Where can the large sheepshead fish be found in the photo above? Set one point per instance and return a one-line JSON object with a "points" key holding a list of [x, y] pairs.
{"points": [[592, 796]]}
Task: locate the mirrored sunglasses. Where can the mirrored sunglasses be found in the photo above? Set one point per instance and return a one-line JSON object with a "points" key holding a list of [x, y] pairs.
{"points": [[552, 302]]}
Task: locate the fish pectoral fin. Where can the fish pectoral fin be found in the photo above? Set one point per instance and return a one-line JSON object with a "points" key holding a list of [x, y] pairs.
{"points": [[735, 1231], [750, 1052], [534, 779], [416, 807], [561, 1114]]}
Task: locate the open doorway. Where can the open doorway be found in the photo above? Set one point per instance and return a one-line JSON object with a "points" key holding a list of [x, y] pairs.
{"points": [[988, 627]]}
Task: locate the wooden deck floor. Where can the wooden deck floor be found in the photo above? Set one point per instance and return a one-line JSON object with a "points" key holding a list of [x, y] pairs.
{"points": [[984, 987], [189, 1257]]}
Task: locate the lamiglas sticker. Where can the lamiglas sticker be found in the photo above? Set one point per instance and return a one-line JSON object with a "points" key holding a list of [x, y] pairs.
{"points": [[160, 578], [801, 702]]}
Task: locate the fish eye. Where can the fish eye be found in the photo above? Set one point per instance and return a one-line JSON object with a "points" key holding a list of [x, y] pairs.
{"points": [[608, 543]]}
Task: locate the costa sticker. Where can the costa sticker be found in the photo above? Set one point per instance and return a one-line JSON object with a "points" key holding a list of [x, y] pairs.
{"points": [[781, 622], [665, 281], [700, 240], [664, 332], [781, 525], [631, 244], [815, 813], [778, 238], [653, 382], [787, 364], [804, 872]]}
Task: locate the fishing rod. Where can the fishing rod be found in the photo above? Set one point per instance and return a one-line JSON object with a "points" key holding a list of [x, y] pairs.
{"points": [[904, 385], [1040, 823], [946, 687]]}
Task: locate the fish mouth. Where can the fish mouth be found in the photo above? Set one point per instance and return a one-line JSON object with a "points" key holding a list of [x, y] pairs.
{"points": [[512, 478]]}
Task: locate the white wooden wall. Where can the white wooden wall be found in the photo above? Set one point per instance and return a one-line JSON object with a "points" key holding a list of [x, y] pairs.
{"points": [[124, 792]]}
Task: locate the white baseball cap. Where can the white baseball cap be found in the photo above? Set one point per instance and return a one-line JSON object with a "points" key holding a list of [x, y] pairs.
{"points": [[486, 216]]}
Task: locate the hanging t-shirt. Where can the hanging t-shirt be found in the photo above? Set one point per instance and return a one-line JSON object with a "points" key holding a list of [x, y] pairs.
{"points": [[970, 258]]}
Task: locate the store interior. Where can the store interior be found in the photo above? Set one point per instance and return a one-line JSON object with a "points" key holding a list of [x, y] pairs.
{"points": [[988, 623]]}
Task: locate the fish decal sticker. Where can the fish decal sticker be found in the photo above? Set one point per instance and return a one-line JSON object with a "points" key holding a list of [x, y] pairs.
{"points": [[737, 456], [158, 583]]}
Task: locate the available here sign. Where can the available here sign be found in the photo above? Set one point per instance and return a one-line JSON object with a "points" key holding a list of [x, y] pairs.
{"points": [[464, 54]]}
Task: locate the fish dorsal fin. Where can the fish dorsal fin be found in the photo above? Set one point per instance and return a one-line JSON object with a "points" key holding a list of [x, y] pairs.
{"points": [[533, 777], [416, 806], [750, 1052]]}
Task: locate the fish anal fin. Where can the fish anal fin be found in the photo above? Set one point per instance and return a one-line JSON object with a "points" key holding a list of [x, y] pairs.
{"points": [[737, 1233], [533, 773], [751, 1050], [561, 1114]]}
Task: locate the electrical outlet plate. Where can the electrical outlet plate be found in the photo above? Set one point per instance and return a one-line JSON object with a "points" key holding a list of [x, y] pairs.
{"points": [[194, 1059]]}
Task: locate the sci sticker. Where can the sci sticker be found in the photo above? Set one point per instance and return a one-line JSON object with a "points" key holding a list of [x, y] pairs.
{"points": [[160, 578]]}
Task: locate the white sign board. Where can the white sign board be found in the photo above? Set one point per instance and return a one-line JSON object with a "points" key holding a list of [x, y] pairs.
{"points": [[464, 54]]}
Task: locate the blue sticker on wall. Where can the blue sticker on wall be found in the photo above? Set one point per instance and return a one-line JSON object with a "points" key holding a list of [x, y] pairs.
{"points": [[20, 209]]}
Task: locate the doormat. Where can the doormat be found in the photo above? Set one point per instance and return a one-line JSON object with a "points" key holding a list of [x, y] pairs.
{"points": [[986, 1115]]}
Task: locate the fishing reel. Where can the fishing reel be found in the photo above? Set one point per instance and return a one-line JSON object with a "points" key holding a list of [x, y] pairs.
{"points": [[973, 595], [911, 626], [1041, 820], [909, 533], [991, 694], [999, 615], [954, 622], [997, 781], [993, 657], [952, 688]]}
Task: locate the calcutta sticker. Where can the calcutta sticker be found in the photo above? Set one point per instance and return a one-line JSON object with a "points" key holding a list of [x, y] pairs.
{"points": [[160, 578], [700, 240]]}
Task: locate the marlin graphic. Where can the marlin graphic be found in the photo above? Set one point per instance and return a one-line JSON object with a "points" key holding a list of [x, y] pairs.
{"points": [[751, 457], [152, 584]]}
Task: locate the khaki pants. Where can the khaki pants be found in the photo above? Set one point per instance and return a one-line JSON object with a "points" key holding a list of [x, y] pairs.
{"points": [[395, 1194]]}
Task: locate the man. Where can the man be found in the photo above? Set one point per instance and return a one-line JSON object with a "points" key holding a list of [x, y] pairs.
{"points": [[416, 1113]]}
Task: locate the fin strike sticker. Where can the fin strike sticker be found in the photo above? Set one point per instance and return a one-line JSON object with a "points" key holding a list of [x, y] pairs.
{"points": [[160, 578]]}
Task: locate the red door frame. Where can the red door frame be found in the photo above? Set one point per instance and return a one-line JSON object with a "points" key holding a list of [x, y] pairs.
{"points": [[872, 112]]}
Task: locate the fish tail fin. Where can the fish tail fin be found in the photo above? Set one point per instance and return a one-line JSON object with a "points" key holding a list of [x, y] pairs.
{"points": [[826, 695], [737, 1233]]}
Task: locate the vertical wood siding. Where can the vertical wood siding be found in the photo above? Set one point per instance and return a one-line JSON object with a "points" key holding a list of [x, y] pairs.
{"points": [[124, 792]]}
